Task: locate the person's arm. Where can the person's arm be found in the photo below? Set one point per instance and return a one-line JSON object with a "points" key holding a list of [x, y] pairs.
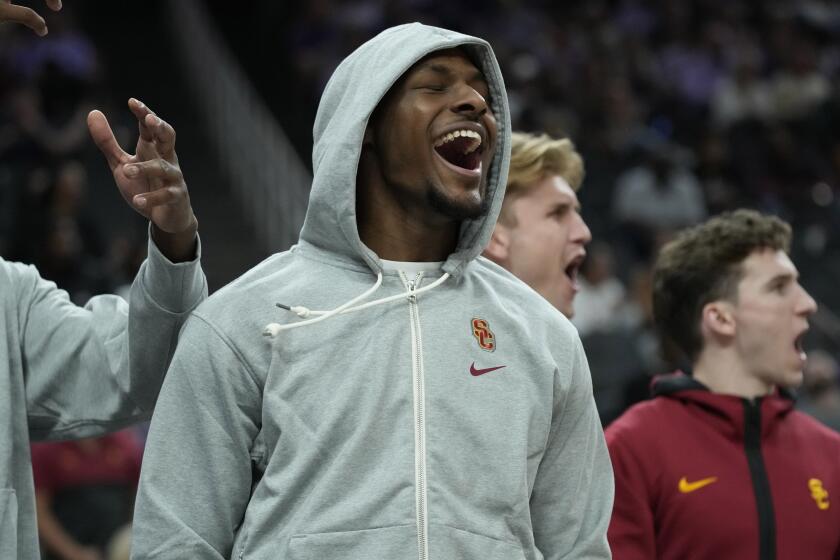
{"points": [[99, 368], [94, 369], [573, 491], [196, 478], [19, 14], [631, 534]]}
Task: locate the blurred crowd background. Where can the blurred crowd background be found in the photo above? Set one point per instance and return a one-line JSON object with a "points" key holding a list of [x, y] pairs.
{"points": [[680, 108]]}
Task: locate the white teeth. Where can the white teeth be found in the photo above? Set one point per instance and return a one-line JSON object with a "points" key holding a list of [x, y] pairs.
{"points": [[472, 135]]}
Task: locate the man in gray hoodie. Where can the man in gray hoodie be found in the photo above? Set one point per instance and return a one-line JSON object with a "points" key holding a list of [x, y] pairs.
{"points": [[451, 417], [68, 372]]}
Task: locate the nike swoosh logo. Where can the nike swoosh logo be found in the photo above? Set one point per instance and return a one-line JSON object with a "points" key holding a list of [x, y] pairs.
{"points": [[686, 486], [477, 372]]}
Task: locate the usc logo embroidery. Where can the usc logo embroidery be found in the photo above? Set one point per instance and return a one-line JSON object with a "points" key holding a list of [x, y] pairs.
{"points": [[819, 493], [482, 333]]}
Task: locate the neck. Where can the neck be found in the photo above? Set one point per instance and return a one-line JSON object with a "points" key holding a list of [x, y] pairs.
{"points": [[723, 372], [402, 230], [402, 238]]}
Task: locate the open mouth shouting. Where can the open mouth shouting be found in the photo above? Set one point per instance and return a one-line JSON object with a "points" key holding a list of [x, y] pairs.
{"points": [[798, 347], [461, 149], [572, 269]]}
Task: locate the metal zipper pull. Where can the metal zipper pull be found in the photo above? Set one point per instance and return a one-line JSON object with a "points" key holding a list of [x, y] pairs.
{"points": [[412, 286]]}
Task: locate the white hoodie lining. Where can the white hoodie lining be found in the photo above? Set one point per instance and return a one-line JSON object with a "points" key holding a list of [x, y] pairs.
{"points": [[411, 268]]}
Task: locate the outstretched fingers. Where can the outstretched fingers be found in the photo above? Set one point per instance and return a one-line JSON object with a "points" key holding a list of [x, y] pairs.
{"points": [[160, 197], [26, 16], [104, 139], [159, 169], [154, 129], [164, 137], [141, 111]]}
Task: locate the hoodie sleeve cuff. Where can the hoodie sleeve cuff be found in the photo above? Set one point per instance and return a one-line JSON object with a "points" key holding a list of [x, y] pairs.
{"points": [[175, 287]]}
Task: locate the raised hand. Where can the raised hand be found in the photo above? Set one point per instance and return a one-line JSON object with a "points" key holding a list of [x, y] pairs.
{"points": [[27, 16], [151, 180]]}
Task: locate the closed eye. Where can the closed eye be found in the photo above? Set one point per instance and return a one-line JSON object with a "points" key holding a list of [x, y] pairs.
{"points": [[559, 211], [780, 284]]}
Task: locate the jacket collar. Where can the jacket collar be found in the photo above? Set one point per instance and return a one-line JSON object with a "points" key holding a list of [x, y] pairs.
{"points": [[728, 411]]}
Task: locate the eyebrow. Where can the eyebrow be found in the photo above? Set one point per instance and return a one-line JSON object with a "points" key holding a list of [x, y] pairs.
{"points": [[443, 70], [561, 205], [783, 277]]}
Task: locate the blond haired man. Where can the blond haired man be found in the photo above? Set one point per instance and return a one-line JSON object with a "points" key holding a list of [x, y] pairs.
{"points": [[540, 236]]}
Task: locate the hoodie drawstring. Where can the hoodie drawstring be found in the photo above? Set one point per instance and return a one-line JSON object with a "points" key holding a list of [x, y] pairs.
{"points": [[272, 329]]}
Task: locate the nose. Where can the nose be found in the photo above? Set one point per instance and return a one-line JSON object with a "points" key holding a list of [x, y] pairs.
{"points": [[470, 102], [807, 304], [580, 231]]}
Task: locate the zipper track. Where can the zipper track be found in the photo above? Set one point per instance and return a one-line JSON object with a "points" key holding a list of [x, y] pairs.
{"points": [[760, 482], [419, 389]]}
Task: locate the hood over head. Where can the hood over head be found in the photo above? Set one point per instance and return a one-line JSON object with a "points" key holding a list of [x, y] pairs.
{"points": [[355, 89]]}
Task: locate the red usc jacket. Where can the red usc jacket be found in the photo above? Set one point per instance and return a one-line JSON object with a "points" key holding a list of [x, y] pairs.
{"points": [[700, 475]]}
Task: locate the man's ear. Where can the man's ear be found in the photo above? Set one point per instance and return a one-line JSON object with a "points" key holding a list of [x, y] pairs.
{"points": [[498, 249], [718, 319]]}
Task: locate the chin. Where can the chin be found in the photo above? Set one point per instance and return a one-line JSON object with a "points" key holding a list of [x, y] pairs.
{"points": [[562, 305], [564, 302], [796, 379], [466, 206], [792, 380]]}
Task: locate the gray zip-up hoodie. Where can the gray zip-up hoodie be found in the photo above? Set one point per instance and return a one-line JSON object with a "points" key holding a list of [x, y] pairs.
{"points": [[439, 416], [68, 372]]}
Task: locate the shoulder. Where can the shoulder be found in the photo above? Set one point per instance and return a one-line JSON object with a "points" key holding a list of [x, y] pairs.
{"points": [[253, 291], [812, 429], [518, 297], [500, 278], [13, 273], [239, 312], [21, 285], [236, 314], [639, 422]]}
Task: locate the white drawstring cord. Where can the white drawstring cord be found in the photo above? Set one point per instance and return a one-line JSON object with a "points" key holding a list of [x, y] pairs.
{"points": [[388, 299], [273, 328]]}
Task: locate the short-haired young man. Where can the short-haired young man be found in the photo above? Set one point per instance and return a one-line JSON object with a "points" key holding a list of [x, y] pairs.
{"points": [[540, 236], [718, 464]]}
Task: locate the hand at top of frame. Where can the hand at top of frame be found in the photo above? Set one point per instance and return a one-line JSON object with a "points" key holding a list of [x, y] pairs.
{"points": [[30, 18]]}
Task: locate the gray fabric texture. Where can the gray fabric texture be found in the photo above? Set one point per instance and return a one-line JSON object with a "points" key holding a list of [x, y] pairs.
{"points": [[69, 372]]}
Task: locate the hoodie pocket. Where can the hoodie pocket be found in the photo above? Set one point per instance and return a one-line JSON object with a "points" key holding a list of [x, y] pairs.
{"points": [[400, 542], [8, 522], [457, 544]]}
